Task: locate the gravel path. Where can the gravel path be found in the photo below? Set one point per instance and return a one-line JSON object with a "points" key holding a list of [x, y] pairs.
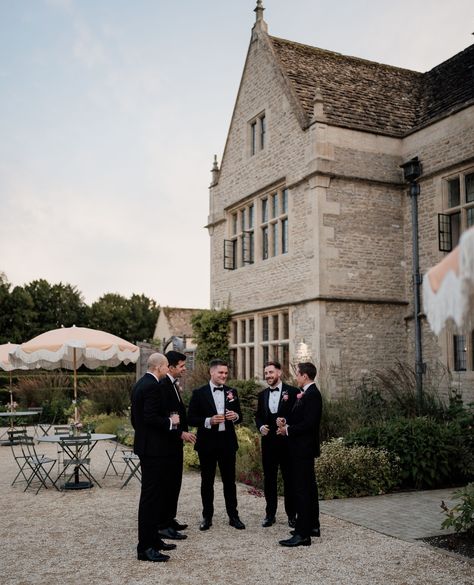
{"points": [[57, 538]]}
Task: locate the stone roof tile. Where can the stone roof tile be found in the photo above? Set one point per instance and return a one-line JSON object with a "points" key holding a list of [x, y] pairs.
{"points": [[371, 96]]}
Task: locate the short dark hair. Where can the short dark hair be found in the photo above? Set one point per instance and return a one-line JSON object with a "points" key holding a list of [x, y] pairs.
{"points": [[277, 365], [307, 368], [174, 357], [217, 362]]}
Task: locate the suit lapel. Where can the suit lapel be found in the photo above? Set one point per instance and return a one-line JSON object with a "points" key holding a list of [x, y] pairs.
{"points": [[210, 398], [266, 401]]}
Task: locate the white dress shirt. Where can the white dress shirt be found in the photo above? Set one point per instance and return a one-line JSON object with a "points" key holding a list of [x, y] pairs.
{"points": [[274, 399], [219, 401]]}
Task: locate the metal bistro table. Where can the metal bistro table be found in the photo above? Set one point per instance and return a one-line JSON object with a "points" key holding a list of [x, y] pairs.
{"points": [[14, 416], [78, 448]]}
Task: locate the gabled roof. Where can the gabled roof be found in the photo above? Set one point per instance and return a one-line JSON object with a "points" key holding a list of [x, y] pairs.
{"points": [[371, 96], [179, 320]]}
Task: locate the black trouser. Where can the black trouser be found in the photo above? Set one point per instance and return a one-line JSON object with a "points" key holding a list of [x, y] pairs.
{"points": [[306, 495], [225, 459], [168, 505], [151, 494], [274, 455]]}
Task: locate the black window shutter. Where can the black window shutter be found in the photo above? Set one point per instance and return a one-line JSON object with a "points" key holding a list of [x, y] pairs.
{"points": [[445, 239], [230, 249]]}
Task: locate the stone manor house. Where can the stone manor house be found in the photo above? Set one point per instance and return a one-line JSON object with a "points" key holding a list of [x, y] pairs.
{"points": [[310, 216]]}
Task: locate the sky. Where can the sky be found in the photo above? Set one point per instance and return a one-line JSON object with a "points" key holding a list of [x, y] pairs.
{"points": [[111, 112]]}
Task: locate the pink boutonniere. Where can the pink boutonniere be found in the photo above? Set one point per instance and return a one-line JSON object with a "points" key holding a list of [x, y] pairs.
{"points": [[284, 396], [299, 395], [230, 396]]}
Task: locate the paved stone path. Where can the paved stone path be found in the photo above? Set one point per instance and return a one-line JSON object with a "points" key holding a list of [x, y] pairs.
{"points": [[408, 515]]}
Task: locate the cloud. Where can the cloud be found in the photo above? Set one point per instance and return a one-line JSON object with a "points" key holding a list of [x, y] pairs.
{"points": [[87, 48]]}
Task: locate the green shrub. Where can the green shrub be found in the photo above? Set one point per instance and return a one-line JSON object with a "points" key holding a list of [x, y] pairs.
{"points": [[340, 416], [249, 459], [248, 391], [109, 394], [431, 453], [346, 471], [461, 516], [211, 334], [109, 424], [51, 390], [191, 458], [125, 433]]}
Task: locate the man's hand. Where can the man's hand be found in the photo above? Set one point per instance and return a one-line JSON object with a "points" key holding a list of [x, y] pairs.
{"points": [[174, 418], [231, 415], [188, 437], [281, 421], [283, 430], [217, 419], [264, 429]]}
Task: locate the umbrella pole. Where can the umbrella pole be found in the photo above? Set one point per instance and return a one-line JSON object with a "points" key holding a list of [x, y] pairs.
{"points": [[75, 387], [11, 401]]}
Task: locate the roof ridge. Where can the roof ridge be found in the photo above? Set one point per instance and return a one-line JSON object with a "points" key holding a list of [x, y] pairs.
{"points": [[344, 56]]}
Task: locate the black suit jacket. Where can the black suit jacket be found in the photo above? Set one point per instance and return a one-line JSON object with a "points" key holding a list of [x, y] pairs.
{"points": [[150, 419], [175, 404], [263, 416], [201, 406], [304, 421]]}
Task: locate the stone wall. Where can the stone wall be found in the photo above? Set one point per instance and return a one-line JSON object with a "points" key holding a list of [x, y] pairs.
{"points": [[347, 277]]}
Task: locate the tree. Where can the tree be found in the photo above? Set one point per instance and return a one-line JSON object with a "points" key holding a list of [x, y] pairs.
{"points": [[211, 332], [55, 306], [132, 319], [16, 312]]}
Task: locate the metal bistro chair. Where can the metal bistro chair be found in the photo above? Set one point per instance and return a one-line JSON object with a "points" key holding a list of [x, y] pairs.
{"points": [[38, 410], [15, 436], [115, 455], [39, 465], [76, 460], [132, 463], [44, 423]]}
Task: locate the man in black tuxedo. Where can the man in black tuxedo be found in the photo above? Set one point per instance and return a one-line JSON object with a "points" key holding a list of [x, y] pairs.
{"points": [[302, 429], [168, 525], [275, 401], [214, 409], [153, 426]]}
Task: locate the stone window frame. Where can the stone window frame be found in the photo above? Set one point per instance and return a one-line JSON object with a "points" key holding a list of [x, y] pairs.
{"points": [[257, 133], [457, 216], [261, 223], [241, 241], [458, 208], [252, 344], [274, 223]]}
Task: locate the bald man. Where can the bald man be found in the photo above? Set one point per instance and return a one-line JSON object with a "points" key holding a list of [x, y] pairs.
{"points": [[152, 423]]}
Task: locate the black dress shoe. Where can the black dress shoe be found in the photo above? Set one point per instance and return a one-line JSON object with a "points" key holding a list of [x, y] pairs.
{"points": [[171, 534], [162, 545], [314, 532], [291, 522], [236, 522], [205, 524], [152, 555], [296, 540], [177, 526], [268, 521]]}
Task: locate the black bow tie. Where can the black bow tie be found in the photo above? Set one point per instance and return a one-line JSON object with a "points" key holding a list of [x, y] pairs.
{"points": [[218, 388], [274, 389]]}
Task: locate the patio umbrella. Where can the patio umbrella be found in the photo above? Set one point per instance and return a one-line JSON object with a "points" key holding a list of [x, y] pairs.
{"points": [[72, 347], [7, 366], [448, 287]]}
